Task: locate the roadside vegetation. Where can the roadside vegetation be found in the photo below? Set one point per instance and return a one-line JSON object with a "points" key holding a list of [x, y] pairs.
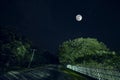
{"points": [[88, 52], [16, 52]]}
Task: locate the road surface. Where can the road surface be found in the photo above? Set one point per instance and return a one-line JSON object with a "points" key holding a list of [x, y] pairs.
{"points": [[43, 73]]}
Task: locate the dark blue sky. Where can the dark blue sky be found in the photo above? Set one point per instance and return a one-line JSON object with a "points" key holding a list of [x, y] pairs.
{"points": [[50, 22]]}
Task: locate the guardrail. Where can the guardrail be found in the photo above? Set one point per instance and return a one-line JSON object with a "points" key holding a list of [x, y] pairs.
{"points": [[100, 74]]}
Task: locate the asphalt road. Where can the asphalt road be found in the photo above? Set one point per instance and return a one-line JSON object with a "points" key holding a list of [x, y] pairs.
{"points": [[44, 73]]}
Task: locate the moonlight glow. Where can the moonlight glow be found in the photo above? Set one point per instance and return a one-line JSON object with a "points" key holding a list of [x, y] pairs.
{"points": [[78, 17]]}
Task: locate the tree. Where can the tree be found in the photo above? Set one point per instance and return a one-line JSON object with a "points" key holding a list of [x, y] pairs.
{"points": [[114, 62], [14, 49], [80, 49]]}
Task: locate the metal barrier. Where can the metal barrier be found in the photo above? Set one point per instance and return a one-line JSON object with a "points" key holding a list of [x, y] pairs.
{"points": [[100, 74]]}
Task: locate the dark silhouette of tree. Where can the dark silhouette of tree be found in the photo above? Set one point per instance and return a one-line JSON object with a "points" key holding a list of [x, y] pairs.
{"points": [[13, 48], [50, 58]]}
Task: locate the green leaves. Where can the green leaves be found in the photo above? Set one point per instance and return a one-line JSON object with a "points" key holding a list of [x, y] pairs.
{"points": [[14, 49], [81, 48], [88, 52]]}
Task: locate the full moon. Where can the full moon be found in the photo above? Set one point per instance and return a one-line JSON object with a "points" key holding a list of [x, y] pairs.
{"points": [[78, 17]]}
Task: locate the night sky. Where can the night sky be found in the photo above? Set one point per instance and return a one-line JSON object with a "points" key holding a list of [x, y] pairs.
{"points": [[50, 22]]}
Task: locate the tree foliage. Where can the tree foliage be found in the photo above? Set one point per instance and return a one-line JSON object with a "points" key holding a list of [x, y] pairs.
{"points": [[16, 51], [13, 49], [82, 49]]}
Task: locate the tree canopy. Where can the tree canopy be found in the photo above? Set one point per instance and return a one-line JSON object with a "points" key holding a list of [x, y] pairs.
{"points": [[82, 49], [14, 49]]}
